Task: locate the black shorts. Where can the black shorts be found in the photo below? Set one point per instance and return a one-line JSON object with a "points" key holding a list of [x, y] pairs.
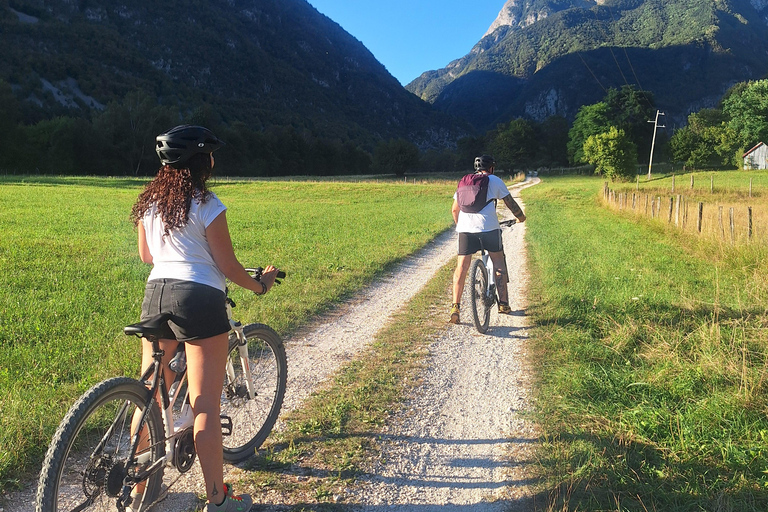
{"points": [[470, 243], [198, 311]]}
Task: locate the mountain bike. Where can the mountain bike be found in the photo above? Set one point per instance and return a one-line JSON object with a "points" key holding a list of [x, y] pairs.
{"points": [[116, 436], [483, 287]]}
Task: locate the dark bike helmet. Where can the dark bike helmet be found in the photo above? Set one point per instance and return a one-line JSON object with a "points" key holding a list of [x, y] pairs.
{"points": [[178, 144], [484, 163]]}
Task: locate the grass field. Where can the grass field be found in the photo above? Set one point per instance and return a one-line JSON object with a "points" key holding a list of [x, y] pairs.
{"points": [[653, 359], [719, 192], [72, 278]]}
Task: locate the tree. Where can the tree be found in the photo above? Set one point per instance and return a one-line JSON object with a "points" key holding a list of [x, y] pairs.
{"points": [[612, 154], [748, 112], [630, 109], [396, 156], [706, 141], [590, 120], [128, 129], [9, 119], [515, 144]]}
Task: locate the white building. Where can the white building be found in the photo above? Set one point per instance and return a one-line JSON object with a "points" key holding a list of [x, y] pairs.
{"points": [[757, 157]]}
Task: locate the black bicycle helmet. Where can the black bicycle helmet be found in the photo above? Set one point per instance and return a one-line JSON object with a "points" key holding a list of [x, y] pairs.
{"points": [[178, 144], [484, 163]]}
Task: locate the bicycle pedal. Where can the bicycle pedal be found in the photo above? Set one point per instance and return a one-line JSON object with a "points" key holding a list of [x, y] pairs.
{"points": [[226, 425]]}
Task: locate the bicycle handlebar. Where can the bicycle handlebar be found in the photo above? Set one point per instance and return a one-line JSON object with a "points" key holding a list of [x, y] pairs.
{"points": [[256, 273], [508, 222]]}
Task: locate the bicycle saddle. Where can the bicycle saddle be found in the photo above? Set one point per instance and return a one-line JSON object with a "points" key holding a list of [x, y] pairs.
{"points": [[152, 326]]}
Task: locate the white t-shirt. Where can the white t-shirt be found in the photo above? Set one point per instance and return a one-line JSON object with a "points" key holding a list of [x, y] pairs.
{"points": [[486, 219], [185, 254]]}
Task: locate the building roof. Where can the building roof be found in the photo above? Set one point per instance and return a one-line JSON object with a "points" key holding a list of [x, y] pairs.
{"points": [[753, 149]]}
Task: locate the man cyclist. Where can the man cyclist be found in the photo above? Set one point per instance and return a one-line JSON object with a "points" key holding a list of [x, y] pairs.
{"points": [[481, 230]]}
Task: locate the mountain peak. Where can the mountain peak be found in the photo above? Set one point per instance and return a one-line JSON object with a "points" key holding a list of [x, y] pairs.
{"points": [[522, 13]]}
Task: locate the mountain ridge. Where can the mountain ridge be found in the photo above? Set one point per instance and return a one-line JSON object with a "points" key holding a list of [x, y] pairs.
{"points": [[262, 62], [661, 46]]}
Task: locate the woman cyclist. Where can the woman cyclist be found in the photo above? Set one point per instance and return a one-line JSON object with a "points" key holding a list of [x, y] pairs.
{"points": [[183, 233]]}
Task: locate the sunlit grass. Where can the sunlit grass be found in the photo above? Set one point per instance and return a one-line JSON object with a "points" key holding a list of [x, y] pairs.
{"points": [[653, 357], [72, 278]]}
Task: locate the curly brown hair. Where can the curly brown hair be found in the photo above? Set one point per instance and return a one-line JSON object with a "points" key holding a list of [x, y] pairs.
{"points": [[172, 190]]}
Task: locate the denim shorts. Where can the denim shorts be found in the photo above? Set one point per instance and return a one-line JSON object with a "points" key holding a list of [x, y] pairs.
{"points": [[470, 243], [197, 310]]}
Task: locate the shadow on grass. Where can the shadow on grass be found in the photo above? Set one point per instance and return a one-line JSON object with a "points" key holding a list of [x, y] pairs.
{"points": [[633, 476]]}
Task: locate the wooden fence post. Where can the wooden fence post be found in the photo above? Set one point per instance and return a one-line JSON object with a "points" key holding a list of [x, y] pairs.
{"points": [[711, 183], [673, 183], [691, 181], [701, 215], [671, 204], [733, 232], [720, 221], [677, 211], [749, 210]]}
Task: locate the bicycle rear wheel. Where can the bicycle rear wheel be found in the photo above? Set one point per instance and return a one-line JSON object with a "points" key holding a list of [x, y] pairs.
{"points": [[253, 418], [85, 465], [481, 309]]}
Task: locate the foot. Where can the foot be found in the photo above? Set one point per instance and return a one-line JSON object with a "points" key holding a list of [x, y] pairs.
{"points": [[454, 314], [504, 308], [232, 502]]}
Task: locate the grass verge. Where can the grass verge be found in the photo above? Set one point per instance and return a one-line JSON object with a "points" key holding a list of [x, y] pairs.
{"points": [[653, 360]]}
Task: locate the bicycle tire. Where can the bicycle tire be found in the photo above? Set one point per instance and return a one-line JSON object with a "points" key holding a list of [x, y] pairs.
{"points": [[253, 419], [73, 471], [481, 310]]}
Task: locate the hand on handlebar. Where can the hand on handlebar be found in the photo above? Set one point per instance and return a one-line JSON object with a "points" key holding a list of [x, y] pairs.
{"points": [[269, 275]]}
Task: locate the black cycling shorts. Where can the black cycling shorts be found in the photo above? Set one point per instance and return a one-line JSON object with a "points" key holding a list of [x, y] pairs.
{"points": [[470, 243], [198, 311]]}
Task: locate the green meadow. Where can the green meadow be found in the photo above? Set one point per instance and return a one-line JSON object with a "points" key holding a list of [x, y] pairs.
{"points": [[650, 345], [71, 277], [652, 357]]}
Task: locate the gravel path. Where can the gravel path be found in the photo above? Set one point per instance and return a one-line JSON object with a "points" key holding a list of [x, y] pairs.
{"points": [[461, 442]]}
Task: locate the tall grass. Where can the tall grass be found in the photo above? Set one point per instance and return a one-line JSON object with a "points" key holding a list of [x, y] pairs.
{"points": [[654, 364], [72, 279], [718, 191]]}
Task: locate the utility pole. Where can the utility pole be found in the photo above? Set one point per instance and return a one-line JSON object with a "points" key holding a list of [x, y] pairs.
{"points": [[653, 141]]}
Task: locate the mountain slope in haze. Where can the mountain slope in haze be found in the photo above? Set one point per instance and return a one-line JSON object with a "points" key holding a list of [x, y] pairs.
{"points": [[549, 57], [262, 62]]}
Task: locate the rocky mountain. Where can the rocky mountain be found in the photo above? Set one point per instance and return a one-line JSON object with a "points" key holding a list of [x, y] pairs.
{"points": [[548, 57], [259, 62]]}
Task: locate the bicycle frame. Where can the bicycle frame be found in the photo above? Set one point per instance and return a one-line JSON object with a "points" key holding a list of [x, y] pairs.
{"points": [[154, 376]]}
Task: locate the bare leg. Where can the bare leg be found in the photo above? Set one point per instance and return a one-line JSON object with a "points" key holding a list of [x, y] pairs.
{"points": [[206, 360], [460, 275], [169, 347]]}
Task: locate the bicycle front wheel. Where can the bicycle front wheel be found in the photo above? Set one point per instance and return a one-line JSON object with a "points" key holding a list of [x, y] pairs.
{"points": [[481, 309], [87, 461], [253, 418]]}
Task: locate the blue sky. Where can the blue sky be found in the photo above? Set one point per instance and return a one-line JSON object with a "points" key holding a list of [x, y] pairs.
{"points": [[413, 36]]}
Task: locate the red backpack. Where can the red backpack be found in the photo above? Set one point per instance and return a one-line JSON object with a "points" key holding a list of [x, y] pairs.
{"points": [[472, 193]]}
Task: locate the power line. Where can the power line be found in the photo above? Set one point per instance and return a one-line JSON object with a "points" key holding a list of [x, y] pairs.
{"points": [[607, 40], [629, 61], [590, 70]]}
